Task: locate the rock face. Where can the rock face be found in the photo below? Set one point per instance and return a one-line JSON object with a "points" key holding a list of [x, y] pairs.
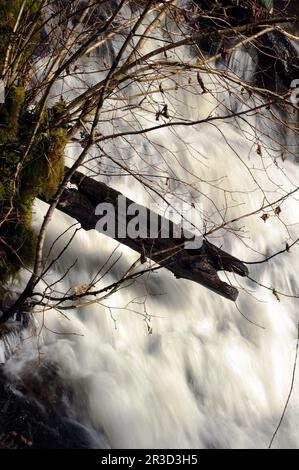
{"points": [[34, 412], [277, 60]]}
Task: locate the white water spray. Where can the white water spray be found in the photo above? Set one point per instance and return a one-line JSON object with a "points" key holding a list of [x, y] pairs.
{"points": [[206, 377]]}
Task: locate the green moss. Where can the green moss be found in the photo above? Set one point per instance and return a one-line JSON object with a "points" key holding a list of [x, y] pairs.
{"points": [[20, 248], [41, 174], [43, 168], [9, 11], [10, 114], [58, 142]]}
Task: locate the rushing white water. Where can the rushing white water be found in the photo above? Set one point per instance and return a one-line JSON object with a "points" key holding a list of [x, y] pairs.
{"points": [[206, 377]]}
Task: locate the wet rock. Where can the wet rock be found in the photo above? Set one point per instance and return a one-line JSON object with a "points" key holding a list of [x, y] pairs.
{"points": [[35, 412]]}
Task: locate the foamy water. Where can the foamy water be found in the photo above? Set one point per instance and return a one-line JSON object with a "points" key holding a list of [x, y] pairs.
{"points": [[206, 377]]}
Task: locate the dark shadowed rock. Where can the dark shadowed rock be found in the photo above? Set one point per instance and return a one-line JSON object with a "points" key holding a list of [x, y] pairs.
{"points": [[35, 412]]}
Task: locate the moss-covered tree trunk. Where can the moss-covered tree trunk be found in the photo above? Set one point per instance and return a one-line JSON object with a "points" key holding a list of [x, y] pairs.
{"points": [[22, 179]]}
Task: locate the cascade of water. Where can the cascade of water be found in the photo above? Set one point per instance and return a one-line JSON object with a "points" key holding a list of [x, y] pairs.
{"points": [[206, 376]]}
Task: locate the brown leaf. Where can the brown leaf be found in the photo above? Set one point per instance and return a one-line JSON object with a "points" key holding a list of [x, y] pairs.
{"points": [[259, 150], [201, 83], [163, 112], [277, 211], [265, 217], [275, 294], [283, 155]]}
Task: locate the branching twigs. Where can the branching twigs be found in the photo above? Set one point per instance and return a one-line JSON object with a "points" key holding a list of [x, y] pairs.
{"points": [[122, 73], [199, 265], [87, 110], [9, 49], [174, 124], [280, 252], [290, 392], [272, 205], [137, 102]]}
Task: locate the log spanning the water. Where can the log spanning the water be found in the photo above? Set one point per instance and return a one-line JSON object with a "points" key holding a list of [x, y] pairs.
{"points": [[199, 265]]}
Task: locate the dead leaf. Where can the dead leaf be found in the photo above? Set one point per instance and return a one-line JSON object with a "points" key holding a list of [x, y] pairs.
{"points": [[265, 217], [201, 83], [275, 294], [80, 289], [163, 112], [283, 155]]}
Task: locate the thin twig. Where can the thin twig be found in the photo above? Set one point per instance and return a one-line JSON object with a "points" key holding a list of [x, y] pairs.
{"points": [[290, 392]]}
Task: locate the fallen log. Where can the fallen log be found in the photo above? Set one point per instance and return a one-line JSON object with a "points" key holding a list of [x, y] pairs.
{"points": [[199, 265]]}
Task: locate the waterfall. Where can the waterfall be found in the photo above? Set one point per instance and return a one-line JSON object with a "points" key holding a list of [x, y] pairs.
{"points": [[166, 363]]}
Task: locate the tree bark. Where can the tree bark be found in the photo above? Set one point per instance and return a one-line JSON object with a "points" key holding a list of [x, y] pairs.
{"points": [[199, 265]]}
